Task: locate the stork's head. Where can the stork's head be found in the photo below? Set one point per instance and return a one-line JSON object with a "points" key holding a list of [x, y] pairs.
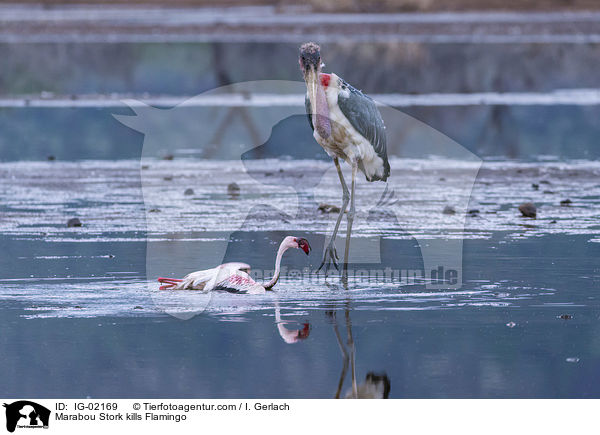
{"points": [[310, 59]]}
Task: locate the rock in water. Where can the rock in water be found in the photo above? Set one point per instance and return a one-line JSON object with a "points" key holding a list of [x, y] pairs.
{"points": [[73, 222], [566, 202], [188, 191], [527, 209], [328, 208], [449, 210], [233, 189]]}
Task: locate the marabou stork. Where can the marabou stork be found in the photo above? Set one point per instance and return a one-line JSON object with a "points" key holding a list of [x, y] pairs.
{"points": [[233, 277], [348, 125]]}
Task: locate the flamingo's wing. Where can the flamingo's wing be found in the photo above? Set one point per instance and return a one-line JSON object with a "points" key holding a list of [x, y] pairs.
{"points": [[197, 280], [237, 266], [237, 281]]}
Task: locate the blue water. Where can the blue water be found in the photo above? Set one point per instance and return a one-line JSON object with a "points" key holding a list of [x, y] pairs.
{"points": [[81, 314], [80, 310]]}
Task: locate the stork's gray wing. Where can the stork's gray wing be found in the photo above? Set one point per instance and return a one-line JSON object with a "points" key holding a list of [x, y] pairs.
{"points": [[364, 116], [308, 109]]}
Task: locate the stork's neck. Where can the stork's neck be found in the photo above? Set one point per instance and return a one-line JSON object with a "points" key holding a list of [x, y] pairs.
{"points": [[282, 248], [316, 84]]}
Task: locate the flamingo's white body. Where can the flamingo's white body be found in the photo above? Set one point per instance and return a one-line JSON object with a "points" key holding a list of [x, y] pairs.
{"points": [[233, 277]]}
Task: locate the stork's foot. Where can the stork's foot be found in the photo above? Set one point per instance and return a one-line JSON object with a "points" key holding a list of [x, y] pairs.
{"points": [[330, 257]]}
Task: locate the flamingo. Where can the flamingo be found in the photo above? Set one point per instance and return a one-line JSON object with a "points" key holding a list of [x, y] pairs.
{"points": [[348, 125], [233, 277]]}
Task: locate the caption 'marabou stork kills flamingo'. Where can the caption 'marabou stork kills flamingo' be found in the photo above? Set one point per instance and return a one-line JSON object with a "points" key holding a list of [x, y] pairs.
{"points": [[348, 125], [233, 277]]}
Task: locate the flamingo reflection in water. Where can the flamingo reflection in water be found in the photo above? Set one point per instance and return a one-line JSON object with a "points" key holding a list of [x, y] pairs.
{"points": [[290, 336], [375, 386]]}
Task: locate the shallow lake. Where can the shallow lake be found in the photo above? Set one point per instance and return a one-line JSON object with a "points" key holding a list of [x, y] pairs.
{"points": [[81, 313]]}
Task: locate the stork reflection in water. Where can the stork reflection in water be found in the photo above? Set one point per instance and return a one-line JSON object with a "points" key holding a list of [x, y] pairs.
{"points": [[375, 386]]}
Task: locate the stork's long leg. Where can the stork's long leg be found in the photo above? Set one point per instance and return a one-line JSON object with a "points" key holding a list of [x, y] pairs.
{"points": [[350, 220], [330, 255]]}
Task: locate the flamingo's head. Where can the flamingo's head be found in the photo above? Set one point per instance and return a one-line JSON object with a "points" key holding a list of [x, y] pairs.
{"points": [[303, 244], [295, 242]]}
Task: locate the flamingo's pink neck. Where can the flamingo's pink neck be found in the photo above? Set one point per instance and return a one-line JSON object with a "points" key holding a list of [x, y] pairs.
{"points": [[285, 245]]}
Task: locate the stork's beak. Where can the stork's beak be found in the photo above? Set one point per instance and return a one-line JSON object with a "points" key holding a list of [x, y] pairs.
{"points": [[312, 86]]}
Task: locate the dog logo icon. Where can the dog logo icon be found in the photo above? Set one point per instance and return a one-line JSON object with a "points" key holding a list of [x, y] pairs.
{"points": [[26, 414]]}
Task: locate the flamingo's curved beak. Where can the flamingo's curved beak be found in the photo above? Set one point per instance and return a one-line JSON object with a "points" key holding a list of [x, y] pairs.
{"points": [[303, 244]]}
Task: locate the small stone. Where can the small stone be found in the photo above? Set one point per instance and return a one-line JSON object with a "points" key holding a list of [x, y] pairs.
{"points": [[473, 212], [565, 317], [268, 174], [280, 170], [328, 208], [51, 158], [137, 307], [544, 182], [527, 209], [553, 221], [548, 192], [511, 324], [535, 186], [566, 202], [233, 189], [154, 210], [188, 191], [449, 210], [168, 157], [144, 167], [168, 178], [77, 306], [73, 222]]}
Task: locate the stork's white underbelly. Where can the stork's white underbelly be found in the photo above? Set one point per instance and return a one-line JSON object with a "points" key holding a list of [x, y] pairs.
{"points": [[345, 141]]}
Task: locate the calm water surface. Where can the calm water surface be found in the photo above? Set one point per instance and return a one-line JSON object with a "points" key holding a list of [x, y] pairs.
{"points": [[80, 317]]}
